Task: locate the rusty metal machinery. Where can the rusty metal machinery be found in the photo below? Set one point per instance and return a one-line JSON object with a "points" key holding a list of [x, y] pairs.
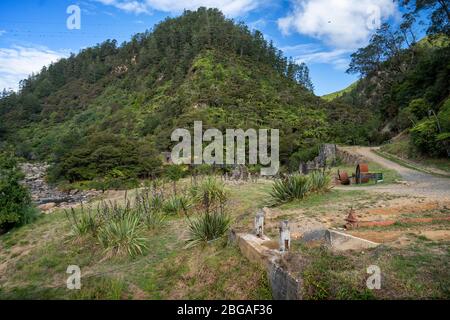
{"points": [[343, 177], [362, 173]]}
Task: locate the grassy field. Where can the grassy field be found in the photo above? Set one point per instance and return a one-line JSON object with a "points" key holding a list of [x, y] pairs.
{"points": [[419, 271], [34, 258]]}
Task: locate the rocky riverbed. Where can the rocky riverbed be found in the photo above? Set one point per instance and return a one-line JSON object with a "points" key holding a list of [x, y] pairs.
{"points": [[46, 196]]}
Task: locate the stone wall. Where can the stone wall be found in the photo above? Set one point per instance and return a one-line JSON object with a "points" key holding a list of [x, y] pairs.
{"points": [[326, 157], [349, 157]]}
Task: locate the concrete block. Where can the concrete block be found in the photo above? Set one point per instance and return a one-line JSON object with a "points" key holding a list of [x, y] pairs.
{"points": [[341, 241]]}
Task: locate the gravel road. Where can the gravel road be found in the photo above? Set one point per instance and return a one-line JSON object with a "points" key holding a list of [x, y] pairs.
{"points": [[415, 183]]}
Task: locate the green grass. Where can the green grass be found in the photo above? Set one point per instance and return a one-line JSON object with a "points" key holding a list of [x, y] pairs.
{"points": [[441, 164], [419, 271], [166, 270], [400, 152], [326, 199], [217, 270], [337, 94]]}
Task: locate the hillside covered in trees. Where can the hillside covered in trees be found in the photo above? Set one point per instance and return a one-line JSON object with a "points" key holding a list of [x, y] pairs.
{"points": [[406, 81], [110, 110]]}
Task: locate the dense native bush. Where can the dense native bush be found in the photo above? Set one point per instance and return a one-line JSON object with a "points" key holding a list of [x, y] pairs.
{"points": [[111, 156], [15, 201], [427, 138], [92, 119], [174, 173]]}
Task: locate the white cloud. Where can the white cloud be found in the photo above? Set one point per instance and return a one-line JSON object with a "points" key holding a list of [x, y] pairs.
{"points": [[17, 62], [312, 53], [133, 6], [231, 8], [344, 24]]}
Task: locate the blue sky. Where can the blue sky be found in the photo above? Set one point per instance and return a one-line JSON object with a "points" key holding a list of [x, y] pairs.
{"points": [[322, 33]]}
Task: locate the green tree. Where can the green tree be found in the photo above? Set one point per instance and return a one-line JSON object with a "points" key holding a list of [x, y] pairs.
{"points": [[15, 201], [174, 173]]}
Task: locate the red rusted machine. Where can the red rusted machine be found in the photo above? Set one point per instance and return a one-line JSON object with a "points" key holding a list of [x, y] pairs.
{"points": [[362, 173]]}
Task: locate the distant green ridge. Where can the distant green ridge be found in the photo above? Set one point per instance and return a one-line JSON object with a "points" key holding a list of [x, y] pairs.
{"points": [[337, 94]]}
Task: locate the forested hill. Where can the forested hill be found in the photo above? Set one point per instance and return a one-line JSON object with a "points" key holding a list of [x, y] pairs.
{"points": [[110, 110], [406, 81], [409, 90]]}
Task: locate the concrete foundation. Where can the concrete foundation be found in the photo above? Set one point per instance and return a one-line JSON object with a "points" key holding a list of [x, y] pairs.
{"points": [[338, 241], [266, 253]]}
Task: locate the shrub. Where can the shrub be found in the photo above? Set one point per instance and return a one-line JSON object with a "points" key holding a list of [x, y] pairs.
{"points": [[174, 173], [319, 181], [210, 194], [149, 207], [123, 236], [102, 155], [112, 210], [208, 227], [302, 155], [424, 136], [444, 116], [290, 188], [84, 222], [15, 201], [118, 227], [177, 204], [154, 219]]}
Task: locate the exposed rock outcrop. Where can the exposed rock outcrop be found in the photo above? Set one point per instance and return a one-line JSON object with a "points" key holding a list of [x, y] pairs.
{"points": [[46, 196]]}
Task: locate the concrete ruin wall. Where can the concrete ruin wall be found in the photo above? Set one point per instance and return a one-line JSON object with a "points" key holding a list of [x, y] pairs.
{"points": [[264, 252], [327, 156], [284, 285]]}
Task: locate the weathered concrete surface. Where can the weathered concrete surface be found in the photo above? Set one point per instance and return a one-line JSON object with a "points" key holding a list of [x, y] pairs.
{"points": [[284, 285], [338, 241], [255, 249], [341, 241], [264, 252]]}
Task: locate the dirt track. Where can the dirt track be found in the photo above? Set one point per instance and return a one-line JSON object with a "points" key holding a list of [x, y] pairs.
{"points": [[414, 183]]}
